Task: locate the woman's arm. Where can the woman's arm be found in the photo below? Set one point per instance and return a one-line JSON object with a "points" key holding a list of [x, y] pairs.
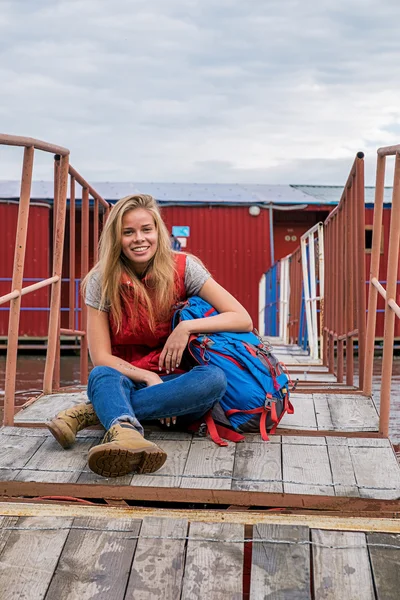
{"points": [[99, 342], [232, 317]]}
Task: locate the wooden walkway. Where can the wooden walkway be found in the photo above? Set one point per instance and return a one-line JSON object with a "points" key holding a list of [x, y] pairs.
{"points": [[98, 557], [325, 458], [314, 412], [318, 472]]}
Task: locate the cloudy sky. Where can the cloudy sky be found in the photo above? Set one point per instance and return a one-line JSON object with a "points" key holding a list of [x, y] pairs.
{"points": [[267, 91]]}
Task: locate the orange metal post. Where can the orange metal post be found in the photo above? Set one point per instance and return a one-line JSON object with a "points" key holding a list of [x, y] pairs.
{"points": [[332, 302], [57, 363], [340, 303], [327, 296], [393, 258], [57, 270], [96, 231], [374, 273], [360, 236], [84, 271], [72, 230], [349, 292], [18, 274]]}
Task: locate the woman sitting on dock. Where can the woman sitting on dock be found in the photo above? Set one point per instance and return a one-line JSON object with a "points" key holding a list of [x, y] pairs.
{"points": [[138, 373]]}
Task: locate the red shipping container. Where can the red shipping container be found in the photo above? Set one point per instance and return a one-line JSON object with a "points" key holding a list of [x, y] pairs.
{"points": [[233, 245], [35, 306]]}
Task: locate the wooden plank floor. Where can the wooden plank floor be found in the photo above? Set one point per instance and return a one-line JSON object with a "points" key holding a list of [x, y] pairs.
{"points": [[301, 465], [313, 411], [48, 557], [291, 354]]}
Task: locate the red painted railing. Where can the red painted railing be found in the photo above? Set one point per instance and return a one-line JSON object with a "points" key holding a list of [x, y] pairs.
{"points": [[344, 310], [343, 305], [62, 171], [390, 294]]}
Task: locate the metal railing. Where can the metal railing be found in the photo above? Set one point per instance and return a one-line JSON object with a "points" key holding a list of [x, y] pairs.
{"points": [[284, 299], [392, 308], [325, 284], [345, 304], [62, 171], [313, 265], [296, 324]]}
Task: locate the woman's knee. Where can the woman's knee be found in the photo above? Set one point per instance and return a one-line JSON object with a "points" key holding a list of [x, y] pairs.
{"points": [[214, 379], [97, 374]]}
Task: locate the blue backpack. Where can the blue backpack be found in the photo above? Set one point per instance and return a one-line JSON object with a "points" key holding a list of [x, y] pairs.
{"points": [[257, 394]]}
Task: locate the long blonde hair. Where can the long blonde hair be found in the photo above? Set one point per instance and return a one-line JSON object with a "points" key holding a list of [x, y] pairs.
{"points": [[158, 293]]}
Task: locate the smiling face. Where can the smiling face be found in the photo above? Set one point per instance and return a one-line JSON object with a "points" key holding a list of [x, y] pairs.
{"points": [[139, 238]]}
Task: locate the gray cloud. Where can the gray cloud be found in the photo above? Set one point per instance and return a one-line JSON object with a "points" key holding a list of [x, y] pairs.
{"points": [[172, 90]]}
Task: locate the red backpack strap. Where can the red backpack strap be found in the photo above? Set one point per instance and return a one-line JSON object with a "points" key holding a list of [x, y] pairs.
{"points": [[263, 419], [217, 431]]}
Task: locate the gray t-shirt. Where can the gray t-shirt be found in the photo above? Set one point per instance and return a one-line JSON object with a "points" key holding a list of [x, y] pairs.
{"points": [[195, 277]]}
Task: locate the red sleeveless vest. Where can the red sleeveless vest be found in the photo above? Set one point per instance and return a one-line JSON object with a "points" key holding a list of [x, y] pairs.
{"points": [[142, 347]]}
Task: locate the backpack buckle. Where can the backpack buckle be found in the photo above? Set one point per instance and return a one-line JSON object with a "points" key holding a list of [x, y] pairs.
{"points": [[268, 400], [202, 431]]}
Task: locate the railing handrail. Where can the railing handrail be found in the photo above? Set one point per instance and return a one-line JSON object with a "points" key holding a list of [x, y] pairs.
{"points": [[345, 254], [28, 142], [82, 182], [28, 289]]}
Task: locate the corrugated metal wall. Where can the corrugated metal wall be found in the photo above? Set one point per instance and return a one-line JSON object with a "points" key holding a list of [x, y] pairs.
{"points": [[233, 245], [37, 261], [369, 216]]}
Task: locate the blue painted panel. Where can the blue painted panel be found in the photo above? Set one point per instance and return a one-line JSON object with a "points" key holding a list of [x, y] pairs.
{"points": [[181, 230]]}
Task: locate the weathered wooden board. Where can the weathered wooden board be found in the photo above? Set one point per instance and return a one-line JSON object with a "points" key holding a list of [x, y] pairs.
{"points": [[15, 451], [306, 467], [156, 435], [342, 469], [209, 466], [8, 474], [158, 565], [322, 412], [310, 377], [332, 412], [376, 470], [88, 476], [24, 431], [341, 566], [350, 412], [258, 467], [385, 563], [30, 556], [280, 570], [304, 413], [47, 407], [5, 524], [214, 562], [170, 474], [54, 464], [96, 560]]}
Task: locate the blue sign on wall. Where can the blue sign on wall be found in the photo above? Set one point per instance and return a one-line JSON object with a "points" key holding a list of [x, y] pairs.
{"points": [[181, 230]]}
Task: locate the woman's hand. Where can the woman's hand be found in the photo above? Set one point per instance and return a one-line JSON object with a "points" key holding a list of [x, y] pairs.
{"points": [[171, 356], [168, 421], [152, 379]]}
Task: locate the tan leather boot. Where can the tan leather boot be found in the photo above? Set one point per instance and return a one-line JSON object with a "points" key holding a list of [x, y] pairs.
{"points": [[124, 450], [67, 423]]}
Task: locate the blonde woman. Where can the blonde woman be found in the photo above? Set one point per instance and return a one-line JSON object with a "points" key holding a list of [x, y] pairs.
{"points": [[138, 372]]}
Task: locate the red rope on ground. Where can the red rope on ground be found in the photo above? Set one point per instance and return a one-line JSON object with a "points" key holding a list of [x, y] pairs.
{"points": [[65, 499]]}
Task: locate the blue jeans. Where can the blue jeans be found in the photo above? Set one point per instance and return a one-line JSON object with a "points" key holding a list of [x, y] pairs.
{"points": [[117, 398]]}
